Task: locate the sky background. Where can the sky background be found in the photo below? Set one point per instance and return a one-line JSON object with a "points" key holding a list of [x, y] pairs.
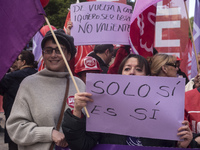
{"points": [[191, 7]]}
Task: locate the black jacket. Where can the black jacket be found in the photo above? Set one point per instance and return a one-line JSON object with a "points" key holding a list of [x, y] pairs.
{"points": [[9, 85], [102, 64], [181, 73], [78, 138]]}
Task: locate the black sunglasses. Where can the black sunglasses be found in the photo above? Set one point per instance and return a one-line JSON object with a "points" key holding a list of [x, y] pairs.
{"points": [[172, 64]]}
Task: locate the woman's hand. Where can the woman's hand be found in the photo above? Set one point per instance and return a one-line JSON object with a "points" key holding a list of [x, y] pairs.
{"points": [[80, 101], [59, 138], [185, 134]]}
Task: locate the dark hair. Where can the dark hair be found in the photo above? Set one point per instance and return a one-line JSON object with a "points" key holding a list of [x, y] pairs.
{"points": [[142, 62], [103, 47], [29, 58], [63, 38]]}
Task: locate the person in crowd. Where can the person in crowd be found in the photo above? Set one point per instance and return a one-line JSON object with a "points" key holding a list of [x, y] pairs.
{"points": [[14, 67], [103, 54], [165, 65], [192, 112], [10, 83], [194, 82], [180, 73], [74, 123], [38, 103], [87, 65], [122, 52]]}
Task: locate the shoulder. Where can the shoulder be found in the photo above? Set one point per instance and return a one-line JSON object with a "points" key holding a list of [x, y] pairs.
{"points": [[79, 82], [192, 94]]}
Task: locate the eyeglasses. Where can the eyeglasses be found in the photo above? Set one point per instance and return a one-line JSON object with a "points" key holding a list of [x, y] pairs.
{"points": [[49, 50], [172, 64]]}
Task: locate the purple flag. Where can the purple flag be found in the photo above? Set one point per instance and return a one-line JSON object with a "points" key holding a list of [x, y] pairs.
{"points": [[20, 20], [37, 49], [196, 35], [126, 147], [141, 6]]}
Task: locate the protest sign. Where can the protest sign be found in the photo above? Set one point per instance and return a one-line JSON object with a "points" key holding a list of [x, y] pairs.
{"points": [[141, 106], [100, 23]]}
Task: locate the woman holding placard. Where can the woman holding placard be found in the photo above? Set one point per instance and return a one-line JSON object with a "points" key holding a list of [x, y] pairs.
{"points": [[74, 123], [165, 65]]}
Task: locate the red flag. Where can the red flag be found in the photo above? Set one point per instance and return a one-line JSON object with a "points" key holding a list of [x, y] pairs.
{"points": [[20, 20], [142, 32], [82, 50]]}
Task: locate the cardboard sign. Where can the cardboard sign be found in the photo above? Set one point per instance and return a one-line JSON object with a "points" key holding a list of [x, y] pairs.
{"points": [[141, 106], [100, 23]]}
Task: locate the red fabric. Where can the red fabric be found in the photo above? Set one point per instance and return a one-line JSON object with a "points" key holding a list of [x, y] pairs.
{"points": [[45, 29], [67, 19], [82, 50], [142, 33], [121, 54], [42, 66], [192, 109]]}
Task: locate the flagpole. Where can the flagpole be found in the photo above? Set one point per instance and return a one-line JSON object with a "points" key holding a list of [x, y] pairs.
{"points": [[66, 63], [195, 52]]}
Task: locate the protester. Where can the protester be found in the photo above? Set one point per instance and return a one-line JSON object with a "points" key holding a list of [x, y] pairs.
{"points": [[38, 103], [192, 111], [74, 123], [87, 65], [10, 83], [194, 82], [122, 52], [14, 67], [165, 65], [103, 54], [180, 73]]}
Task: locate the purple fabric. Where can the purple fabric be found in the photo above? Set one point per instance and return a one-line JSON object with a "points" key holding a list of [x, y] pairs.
{"points": [[126, 147], [20, 20], [37, 49], [196, 34]]}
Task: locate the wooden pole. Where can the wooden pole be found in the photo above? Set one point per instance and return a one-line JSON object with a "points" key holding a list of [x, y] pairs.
{"points": [[66, 63], [195, 52]]}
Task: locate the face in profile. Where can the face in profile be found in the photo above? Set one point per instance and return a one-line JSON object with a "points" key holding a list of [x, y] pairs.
{"points": [[131, 67], [171, 70]]}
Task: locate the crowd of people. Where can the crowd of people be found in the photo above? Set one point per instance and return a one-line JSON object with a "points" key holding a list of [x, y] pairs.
{"points": [[33, 101]]}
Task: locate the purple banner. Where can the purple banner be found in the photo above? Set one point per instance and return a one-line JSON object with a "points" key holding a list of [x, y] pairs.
{"points": [[37, 49], [126, 147], [140, 106], [196, 34], [20, 20]]}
